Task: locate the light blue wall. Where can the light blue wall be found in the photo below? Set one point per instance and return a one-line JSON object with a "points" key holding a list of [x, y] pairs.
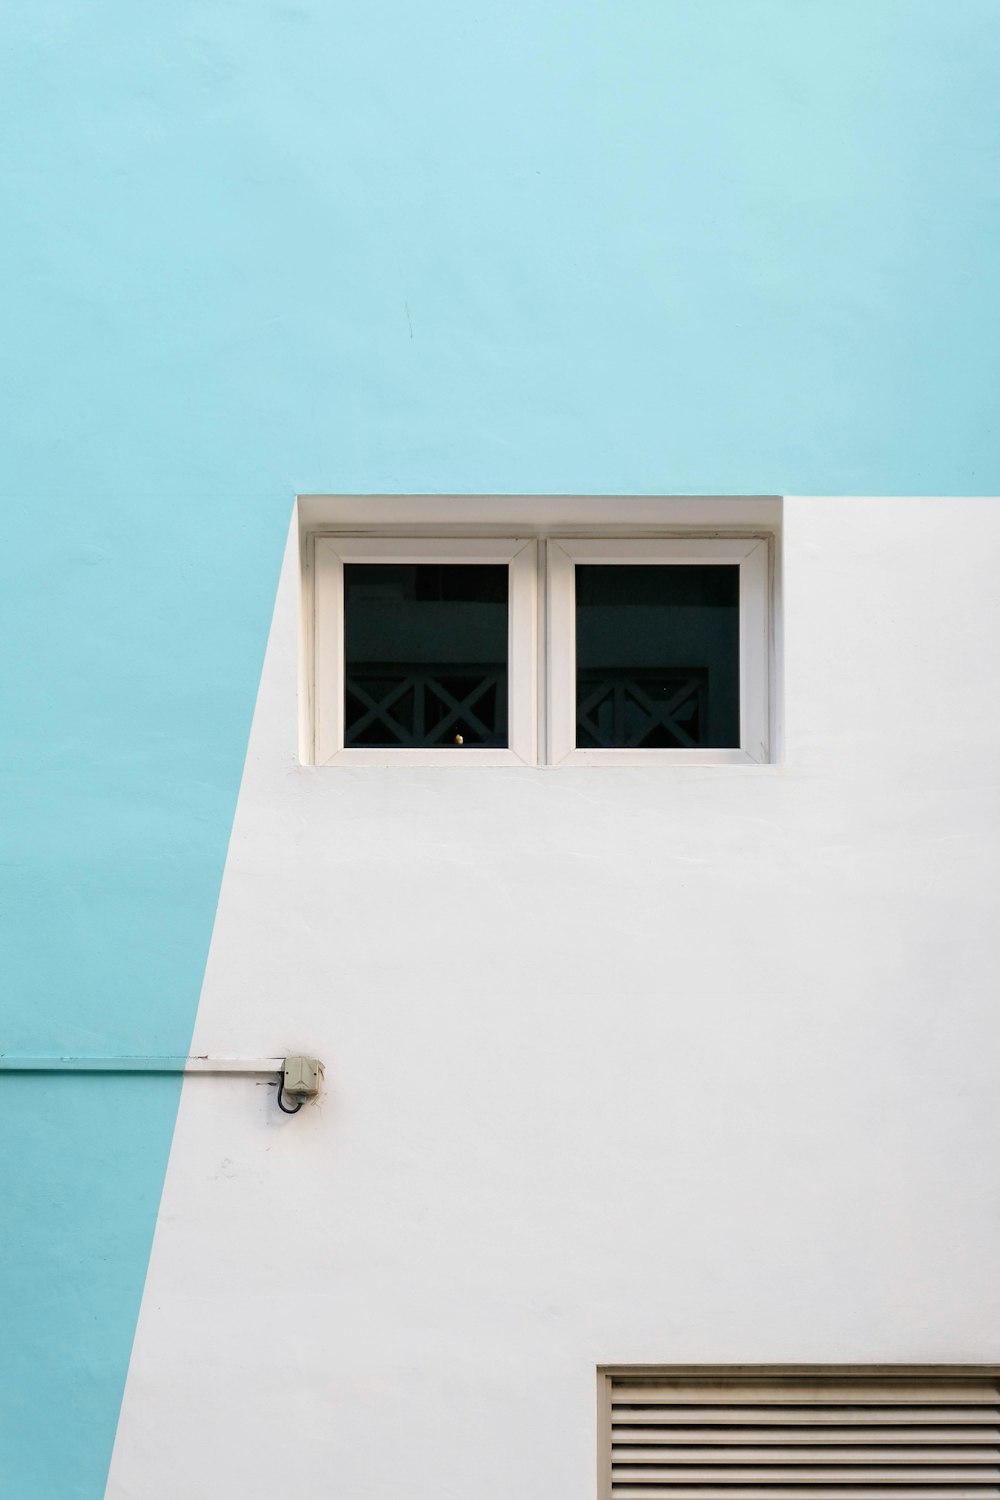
{"points": [[255, 247]]}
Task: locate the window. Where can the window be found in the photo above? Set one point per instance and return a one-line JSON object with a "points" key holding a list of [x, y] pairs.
{"points": [[658, 650], [540, 650], [425, 651], [820, 1433]]}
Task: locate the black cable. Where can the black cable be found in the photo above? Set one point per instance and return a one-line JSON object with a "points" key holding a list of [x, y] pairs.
{"points": [[281, 1089]]}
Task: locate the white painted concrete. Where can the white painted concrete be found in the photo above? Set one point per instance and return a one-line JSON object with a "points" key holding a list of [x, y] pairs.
{"points": [[622, 1065]]}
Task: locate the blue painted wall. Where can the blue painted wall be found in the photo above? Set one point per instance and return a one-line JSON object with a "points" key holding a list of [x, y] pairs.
{"points": [[254, 247]]}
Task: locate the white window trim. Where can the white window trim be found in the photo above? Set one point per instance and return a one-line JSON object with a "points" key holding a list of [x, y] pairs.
{"points": [[542, 621], [330, 555], [752, 556]]}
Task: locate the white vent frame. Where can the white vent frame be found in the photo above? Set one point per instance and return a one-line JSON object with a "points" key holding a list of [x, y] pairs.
{"points": [[925, 1398]]}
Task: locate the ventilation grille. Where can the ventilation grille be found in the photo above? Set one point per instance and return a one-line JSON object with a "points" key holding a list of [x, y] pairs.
{"points": [[823, 1438]]}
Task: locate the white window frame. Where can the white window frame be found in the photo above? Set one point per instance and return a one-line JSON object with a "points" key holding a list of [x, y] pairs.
{"points": [[751, 554], [328, 666]]}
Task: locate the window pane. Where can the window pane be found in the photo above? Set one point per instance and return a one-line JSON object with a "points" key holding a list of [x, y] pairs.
{"points": [[657, 657], [425, 654]]}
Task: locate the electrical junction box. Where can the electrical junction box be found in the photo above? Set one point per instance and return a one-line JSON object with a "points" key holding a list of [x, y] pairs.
{"points": [[303, 1078]]}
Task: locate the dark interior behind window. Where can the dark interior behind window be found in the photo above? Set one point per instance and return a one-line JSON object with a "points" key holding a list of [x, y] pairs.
{"points": [[657, 656], [426, 654]]}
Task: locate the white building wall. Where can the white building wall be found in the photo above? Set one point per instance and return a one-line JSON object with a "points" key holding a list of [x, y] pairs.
{"points": [[623, 1065]]}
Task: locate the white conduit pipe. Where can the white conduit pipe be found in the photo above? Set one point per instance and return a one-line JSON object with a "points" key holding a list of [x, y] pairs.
{"points": [[248, 1067]]}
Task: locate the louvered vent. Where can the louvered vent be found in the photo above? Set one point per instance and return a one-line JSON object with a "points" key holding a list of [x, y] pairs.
{"points": [[807, 1438]]}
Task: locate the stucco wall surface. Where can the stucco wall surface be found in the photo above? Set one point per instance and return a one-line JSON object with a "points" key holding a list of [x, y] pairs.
{"points": [[677, 1065], [277, 246]]}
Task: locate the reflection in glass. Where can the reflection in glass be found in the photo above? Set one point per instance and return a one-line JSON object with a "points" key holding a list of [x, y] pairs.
{"points": [[425, 654], [657, 656]]}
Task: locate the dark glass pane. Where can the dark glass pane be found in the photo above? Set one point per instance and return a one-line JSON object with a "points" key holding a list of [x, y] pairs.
{"points": [[425, 654], [657, 657]]}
